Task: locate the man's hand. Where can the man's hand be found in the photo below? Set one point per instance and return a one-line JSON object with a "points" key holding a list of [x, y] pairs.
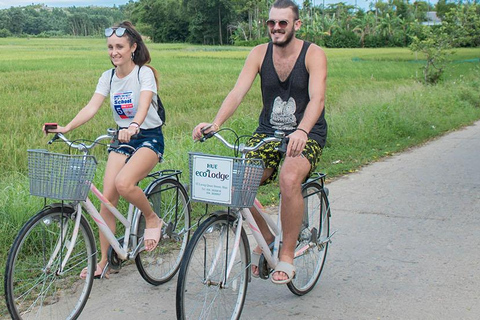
{"points": [[296, 144], [203, 128]]}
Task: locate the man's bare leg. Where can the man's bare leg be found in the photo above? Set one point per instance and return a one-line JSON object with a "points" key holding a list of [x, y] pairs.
{"points": [[293, 173]]}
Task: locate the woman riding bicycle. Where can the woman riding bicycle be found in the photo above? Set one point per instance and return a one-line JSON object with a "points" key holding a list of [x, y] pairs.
{"points": [[132, 89]]}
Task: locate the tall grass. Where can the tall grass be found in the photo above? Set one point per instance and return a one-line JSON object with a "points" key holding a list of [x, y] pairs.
{"points": [[375, 106]]}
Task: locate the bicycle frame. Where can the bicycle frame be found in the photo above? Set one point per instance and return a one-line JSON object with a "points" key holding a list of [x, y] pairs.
{"points": [[97, 218], [270, 255], [102, 225], [272, 258]]}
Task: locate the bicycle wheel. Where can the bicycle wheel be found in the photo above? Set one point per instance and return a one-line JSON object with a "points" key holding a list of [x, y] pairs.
{"points": [[313, 239], [169, 200], [36, 286], [202, 292]]}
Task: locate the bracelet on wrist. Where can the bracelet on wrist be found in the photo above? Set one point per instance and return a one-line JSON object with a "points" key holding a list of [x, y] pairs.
{"points": [[303, 130], [133, 123]]}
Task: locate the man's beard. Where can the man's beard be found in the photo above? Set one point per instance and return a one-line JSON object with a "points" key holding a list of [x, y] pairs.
{"points": [[288, 39]]}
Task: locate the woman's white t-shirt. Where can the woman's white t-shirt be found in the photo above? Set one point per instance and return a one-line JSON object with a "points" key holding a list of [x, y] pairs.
{"points": [[125, 94]]}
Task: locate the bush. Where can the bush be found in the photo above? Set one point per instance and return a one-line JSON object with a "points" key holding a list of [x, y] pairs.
{"points": [[373, 41], [251, 43], [5, 33], [343, 39]]}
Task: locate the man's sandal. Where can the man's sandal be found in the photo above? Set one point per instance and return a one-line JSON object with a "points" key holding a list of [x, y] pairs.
{"points": [[99, 273], [153, 234], [287, 268]]}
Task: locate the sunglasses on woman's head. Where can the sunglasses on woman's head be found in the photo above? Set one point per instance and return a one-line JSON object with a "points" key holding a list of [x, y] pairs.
{"points": [[281, 23], [120, 31]]}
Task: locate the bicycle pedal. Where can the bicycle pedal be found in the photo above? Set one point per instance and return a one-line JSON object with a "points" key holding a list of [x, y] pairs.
{"points": [[263, 269]]}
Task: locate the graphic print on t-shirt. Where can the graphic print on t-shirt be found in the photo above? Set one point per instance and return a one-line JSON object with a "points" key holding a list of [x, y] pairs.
{"points": [[123, 104], [283, 114]]}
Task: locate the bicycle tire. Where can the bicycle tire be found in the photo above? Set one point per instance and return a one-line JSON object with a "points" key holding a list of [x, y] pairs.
{"points": [[170, 201], [201, 292], [315, 229], [35, 291]]}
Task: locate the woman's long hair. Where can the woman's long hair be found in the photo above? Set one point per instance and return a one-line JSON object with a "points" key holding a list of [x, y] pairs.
{"points": [[141, 56]]}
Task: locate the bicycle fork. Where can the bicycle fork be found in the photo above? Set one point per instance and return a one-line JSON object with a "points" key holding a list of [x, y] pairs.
{"points": [[62, 242]]}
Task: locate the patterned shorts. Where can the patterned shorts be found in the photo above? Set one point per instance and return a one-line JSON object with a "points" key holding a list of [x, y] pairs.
{"points": [[272, 157]]}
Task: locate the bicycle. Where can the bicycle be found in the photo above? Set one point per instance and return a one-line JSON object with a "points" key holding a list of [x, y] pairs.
{"points": [[44, 263], [215, 271]]}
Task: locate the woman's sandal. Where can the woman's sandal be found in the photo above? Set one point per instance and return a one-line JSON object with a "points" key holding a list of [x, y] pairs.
{"points": [[287, 268], [153, 234], [99, 273], [254, 261]]}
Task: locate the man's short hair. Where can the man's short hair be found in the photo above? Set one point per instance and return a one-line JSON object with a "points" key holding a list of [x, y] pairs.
{"points": [[284, 4]]}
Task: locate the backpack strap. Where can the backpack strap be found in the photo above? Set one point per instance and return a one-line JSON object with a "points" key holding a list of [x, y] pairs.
{"points": [[111, 77]]}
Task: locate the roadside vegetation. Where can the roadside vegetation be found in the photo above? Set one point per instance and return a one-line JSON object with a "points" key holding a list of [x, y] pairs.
{"points": [[376, 106]]}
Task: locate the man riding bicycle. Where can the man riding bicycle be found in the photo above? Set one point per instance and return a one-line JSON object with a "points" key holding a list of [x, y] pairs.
{"points": [[293, 77]]}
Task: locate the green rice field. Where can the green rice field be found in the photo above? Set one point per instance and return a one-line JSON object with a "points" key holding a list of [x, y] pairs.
{"points": [[375, 107]]}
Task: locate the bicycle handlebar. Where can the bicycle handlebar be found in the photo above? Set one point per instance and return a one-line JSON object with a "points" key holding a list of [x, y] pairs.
{"points": [[279, 136], [111, 135]]}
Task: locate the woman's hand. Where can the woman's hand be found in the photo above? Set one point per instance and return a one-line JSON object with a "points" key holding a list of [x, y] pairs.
{"points": [[124, 135], [53, 128]]}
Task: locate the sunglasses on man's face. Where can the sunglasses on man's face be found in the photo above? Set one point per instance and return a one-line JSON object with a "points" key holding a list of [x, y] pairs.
{"points": [[119, 32], [281, 23]]}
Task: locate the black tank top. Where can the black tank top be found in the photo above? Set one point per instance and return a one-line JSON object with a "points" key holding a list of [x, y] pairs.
{"points": [[284, 102]]}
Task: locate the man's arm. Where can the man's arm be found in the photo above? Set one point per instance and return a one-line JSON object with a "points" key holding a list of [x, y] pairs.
{"points": [[316, 64], [244, 82]]}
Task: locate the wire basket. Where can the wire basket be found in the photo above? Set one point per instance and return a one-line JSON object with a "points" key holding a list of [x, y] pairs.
{"points": [[60, 176], [227, 181]]}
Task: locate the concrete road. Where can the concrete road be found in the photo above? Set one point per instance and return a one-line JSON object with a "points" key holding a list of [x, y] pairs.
{"points": [[407, 247]]}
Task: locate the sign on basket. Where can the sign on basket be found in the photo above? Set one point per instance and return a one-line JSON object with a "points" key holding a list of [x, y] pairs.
{"points": [[212, 179]]}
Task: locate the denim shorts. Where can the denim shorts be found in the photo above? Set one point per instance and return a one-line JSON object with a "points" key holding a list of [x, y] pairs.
{"points": [[146, 138]]}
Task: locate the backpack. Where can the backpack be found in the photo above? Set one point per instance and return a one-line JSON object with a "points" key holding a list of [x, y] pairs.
{"points": [[160, 107]]}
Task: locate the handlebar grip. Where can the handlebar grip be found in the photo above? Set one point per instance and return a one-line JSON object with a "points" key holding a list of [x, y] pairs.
{"points": [[207, 136], [115, 143], [283, 146]]}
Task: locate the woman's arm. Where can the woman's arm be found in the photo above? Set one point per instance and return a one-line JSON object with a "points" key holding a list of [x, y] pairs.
{"points": [[83, 115]]}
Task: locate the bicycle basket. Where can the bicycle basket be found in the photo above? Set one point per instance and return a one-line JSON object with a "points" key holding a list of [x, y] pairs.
{"points": [[227, 181], [60, 176]]}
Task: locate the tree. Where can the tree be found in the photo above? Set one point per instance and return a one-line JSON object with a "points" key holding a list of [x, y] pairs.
{"points": [[435, 44], [17, 20], [209, 20], [364, 25], [463, 24]]}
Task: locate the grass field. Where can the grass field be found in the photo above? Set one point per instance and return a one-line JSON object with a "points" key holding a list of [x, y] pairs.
{"points": [[375, 106]]}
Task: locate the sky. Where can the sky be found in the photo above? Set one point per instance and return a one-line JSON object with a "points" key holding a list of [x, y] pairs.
{"points": [[4, 4]]}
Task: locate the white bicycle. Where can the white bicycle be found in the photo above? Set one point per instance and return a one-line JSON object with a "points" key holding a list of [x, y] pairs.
{"points": [[43, 266], [215, 271]]}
